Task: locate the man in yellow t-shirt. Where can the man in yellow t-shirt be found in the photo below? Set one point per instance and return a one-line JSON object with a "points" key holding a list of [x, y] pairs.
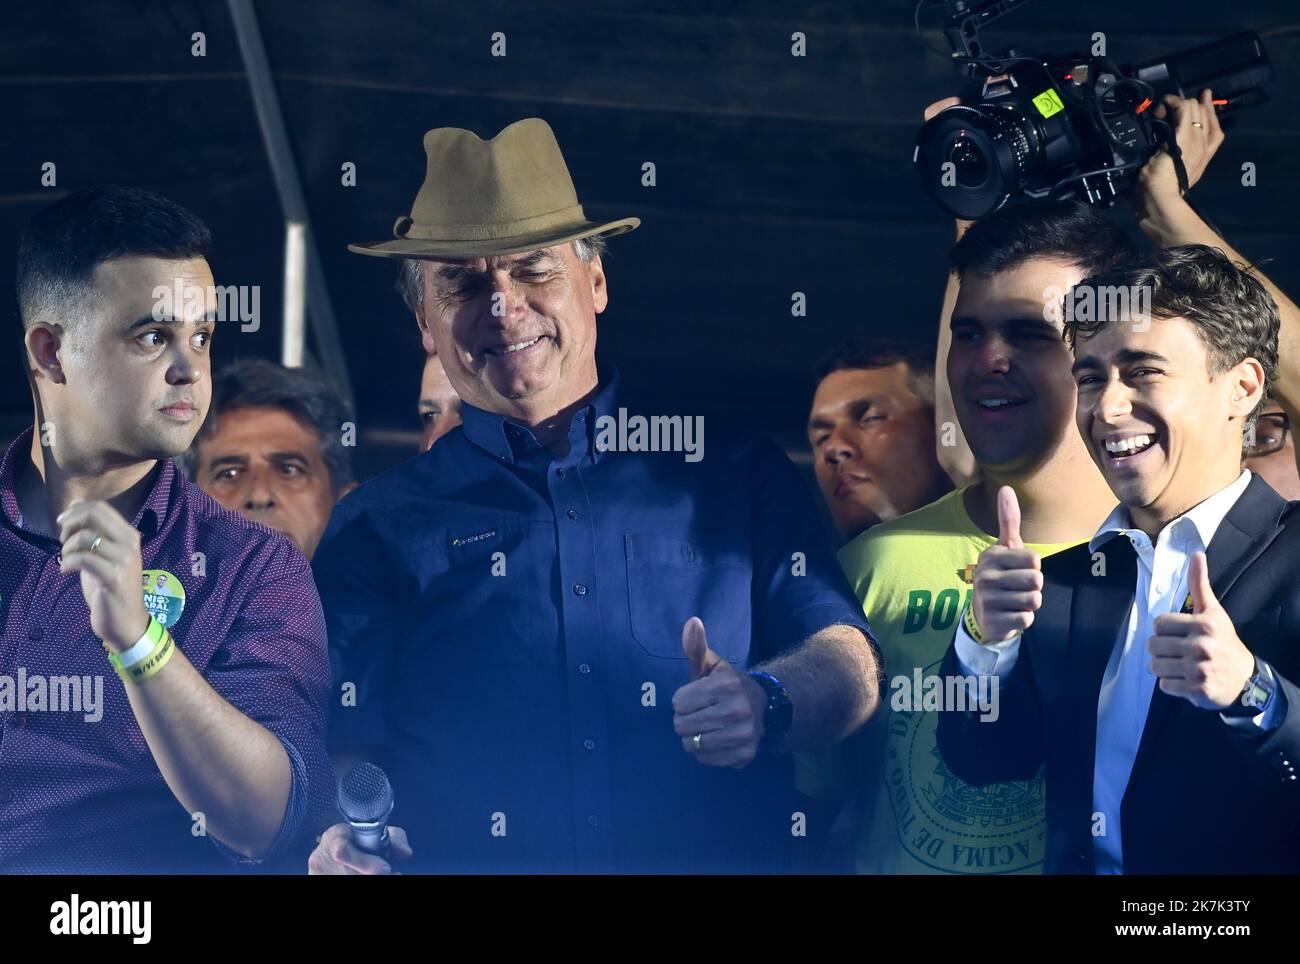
{"points": [[913, 575], [1008, 372]]}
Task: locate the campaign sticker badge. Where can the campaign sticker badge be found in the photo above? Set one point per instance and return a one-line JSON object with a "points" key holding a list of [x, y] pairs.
{"points": [[164, 596]]}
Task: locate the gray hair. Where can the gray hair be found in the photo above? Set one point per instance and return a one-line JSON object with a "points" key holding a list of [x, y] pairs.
{"points": [[410, 275], [308, 397]]}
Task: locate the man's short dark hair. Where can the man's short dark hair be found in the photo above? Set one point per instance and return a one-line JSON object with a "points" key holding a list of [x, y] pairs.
{"points": [[885, 352], [258, 383], [64, 243], [1233, 314], [1072, 231]]}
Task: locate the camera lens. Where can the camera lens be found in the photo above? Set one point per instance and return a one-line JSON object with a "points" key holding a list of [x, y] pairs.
{"points": [[971, 164], [972, 159]]}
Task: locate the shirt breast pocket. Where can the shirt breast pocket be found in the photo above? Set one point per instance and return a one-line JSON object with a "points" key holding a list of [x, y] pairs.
{"points": [[670, 580]]}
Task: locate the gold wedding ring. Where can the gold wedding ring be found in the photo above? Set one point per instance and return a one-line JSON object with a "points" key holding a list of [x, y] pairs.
{"points": [[1197, 124]]}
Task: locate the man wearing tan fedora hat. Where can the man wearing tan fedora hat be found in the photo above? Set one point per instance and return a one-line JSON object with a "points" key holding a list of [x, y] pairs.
{"points": [[572, 648]]}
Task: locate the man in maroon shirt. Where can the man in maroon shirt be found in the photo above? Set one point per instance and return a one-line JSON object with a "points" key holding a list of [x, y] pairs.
{"points": [[162, 660]]}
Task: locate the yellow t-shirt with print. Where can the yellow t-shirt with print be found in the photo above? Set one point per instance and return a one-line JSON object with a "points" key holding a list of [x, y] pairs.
{"points": [[913, 578]]}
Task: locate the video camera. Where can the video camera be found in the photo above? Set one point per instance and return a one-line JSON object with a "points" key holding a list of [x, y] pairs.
{"points": [[1072, 126]]}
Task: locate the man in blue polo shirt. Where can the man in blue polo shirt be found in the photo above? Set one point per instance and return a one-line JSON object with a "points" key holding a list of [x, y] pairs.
{"points": [[576, 635], [162, 659]]}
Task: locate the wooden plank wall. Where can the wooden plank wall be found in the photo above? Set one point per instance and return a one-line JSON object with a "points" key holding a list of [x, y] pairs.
{"points": [[775, 174]]}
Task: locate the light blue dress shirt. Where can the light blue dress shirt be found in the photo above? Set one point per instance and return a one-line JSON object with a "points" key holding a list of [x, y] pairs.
{"points": [[1127, 685]]}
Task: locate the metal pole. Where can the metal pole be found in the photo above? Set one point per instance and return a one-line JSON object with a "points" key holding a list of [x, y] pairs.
{"points": [[294, 334], [285, 171]]}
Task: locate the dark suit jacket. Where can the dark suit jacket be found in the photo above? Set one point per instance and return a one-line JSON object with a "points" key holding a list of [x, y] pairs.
{"points": [[1202, 798]]}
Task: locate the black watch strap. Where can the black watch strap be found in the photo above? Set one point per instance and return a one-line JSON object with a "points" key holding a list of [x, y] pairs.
{"points": [[1256, 695], [778, 714]]}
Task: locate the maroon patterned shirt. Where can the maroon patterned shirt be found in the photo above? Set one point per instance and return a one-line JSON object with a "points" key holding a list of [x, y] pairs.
{"points": [[79, 789]]}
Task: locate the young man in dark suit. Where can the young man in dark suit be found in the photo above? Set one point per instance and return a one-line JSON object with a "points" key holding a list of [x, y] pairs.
{"points": [[1154, 668]]}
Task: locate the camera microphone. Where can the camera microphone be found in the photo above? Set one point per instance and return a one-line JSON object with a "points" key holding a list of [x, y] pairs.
{"points": [[1235, 68]]}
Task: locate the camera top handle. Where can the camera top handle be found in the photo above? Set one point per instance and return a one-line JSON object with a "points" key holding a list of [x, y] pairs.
{"points": [[965, 20]]}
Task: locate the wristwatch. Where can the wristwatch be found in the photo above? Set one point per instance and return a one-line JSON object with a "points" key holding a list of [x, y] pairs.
{"points": [[1256, 695], [778, 715]]}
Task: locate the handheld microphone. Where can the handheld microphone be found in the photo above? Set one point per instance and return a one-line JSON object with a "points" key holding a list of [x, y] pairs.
{"points": [[365, 802]]}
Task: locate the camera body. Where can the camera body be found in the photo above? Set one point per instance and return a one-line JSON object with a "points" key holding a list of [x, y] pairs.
{"points": [[1059, 127], [1046, 128]]}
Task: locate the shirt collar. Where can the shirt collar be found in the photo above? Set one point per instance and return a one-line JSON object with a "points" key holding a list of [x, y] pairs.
{"points": [[148, 520], [507, 440], [1205, 517]]}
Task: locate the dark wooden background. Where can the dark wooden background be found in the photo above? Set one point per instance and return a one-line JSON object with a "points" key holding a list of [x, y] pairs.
{"points": [[775, 174]]}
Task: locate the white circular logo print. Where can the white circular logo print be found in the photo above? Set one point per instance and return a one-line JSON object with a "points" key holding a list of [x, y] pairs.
{"points": [[950, 825]]}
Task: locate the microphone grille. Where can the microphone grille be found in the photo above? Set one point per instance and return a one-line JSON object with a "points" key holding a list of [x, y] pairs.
{"points": [[365, 795]]}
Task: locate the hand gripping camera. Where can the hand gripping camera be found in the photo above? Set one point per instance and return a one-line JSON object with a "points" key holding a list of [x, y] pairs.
{"points": [[1073, 126]]}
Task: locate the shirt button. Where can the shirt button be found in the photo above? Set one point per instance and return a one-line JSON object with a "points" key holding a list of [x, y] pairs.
{"points": [[579, 589], [20, 719], [562, 473], [6, 793], [593, 820], [589, 744], [584, 668], [572, 513], [36, 633]]}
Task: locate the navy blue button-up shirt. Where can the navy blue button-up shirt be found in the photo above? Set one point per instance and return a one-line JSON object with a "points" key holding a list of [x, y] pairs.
{"points": [[506, 627]]}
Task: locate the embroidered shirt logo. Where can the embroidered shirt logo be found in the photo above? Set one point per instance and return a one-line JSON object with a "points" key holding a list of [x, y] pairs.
{"points": [[470, 540]]}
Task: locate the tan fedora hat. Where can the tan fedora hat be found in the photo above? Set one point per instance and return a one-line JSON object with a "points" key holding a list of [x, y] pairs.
{"points": [[506, 195]]}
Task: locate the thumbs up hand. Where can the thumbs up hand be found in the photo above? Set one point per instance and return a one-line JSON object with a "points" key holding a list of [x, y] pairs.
{"points": [[1008, 578], [1198, 655], [695, 643], [719, 714]]}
